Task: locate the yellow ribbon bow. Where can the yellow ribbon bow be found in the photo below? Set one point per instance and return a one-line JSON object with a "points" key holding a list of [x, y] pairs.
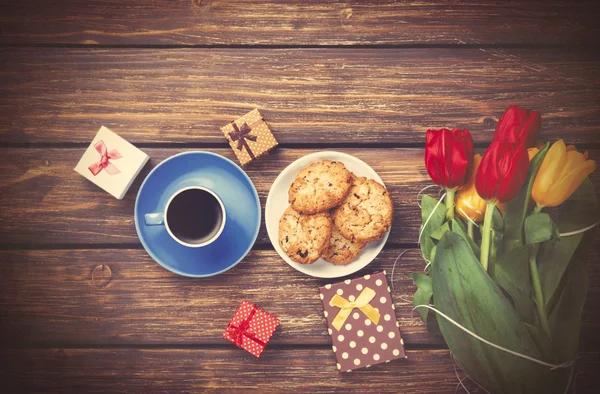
{"points": [[346, 307]]}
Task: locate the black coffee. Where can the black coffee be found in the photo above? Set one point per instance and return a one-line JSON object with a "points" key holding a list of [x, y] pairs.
{"points": [[194, 216]]}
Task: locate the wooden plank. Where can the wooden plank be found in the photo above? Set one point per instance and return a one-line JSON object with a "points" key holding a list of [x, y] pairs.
{"points": [[313, 22], [317, 96], [42, 201], [51, 296], [48, 298], [231, 370], [222, 370]]}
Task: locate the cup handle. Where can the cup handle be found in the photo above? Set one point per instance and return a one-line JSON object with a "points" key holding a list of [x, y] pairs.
{"points": [[154, 219]]}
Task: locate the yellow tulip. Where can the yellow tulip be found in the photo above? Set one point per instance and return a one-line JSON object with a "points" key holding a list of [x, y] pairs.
{"points": [[468, 203], [533, 151], [560, 174]]}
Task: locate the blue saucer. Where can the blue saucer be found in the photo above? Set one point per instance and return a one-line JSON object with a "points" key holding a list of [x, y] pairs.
{"points": [[230, 183]]}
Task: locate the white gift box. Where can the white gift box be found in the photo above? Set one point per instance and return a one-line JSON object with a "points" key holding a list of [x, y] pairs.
{"points": [[111, 162]]}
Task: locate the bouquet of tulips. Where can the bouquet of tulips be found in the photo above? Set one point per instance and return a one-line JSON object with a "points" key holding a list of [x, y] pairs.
{"points": [[506, 252]]}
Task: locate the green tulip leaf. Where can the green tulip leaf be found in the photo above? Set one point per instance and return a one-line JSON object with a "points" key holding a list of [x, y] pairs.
{"points": [[497, 220], [580, 210], [544, 343], [460, 229], [539, 228], [517, 208], [565, 320], [553, 259], [437, 234], [463, 291], [436, 220], [432, 254], [433, 327], [512, 274], [554, 256], [423, 294]]}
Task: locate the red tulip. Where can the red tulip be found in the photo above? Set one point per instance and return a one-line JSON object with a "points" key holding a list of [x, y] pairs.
{"points": [[518, 126], [448, 157], [502, 172]]}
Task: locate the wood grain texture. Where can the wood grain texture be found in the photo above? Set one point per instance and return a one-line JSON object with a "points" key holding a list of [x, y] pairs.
{"points": [[317, 96], [311, 22], [233, 370], [44, 202], [221, 370], [94, 313], [49, 298]]}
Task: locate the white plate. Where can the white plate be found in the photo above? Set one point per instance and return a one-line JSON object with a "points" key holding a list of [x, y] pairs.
{"points": [[277, 203]]}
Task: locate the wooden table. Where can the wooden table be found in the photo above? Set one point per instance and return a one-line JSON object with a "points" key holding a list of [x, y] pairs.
{"points": [[85, 309]]}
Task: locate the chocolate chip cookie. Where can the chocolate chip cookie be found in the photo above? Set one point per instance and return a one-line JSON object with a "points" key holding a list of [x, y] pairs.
{"points": [[366, 213], [341, 251], [320, 186], [304, 237]]}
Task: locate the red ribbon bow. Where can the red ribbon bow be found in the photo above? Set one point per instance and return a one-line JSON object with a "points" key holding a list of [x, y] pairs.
{"points": [[242, 330], [104, 162]]}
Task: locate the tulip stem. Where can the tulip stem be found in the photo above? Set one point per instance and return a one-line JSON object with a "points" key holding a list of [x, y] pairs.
{"points": [[537, 289], [470, 229], [486, 237], [450, 204], [535, 278]]}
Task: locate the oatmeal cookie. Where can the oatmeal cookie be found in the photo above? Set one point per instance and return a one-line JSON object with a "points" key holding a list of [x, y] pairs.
{"points": [[304, 237], [341, 250], [366, 213], [320, 186]]}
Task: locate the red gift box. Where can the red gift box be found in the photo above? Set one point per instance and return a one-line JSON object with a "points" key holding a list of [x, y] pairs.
{"points": [[251, 328]]}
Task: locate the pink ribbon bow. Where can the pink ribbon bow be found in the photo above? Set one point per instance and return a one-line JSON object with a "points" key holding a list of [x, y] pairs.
{"points": [[104, 162]]}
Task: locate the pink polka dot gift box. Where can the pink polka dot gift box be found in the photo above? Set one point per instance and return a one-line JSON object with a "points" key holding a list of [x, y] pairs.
{"points": [[251, 328], [361, 321]]}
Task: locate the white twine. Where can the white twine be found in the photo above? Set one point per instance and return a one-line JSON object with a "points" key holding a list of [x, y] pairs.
{"points": [[425, 188], [467, 375], [460, 381], [426, 222], [428, 262], [583, 230], [552, 366], [429, 218], [535, 360], [467, 216], [394, 266], [569, 382], [427, 266], [392, 277]]}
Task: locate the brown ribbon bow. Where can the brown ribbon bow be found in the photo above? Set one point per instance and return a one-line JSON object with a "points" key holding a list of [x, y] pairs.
{"points": [[241, 135]]}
